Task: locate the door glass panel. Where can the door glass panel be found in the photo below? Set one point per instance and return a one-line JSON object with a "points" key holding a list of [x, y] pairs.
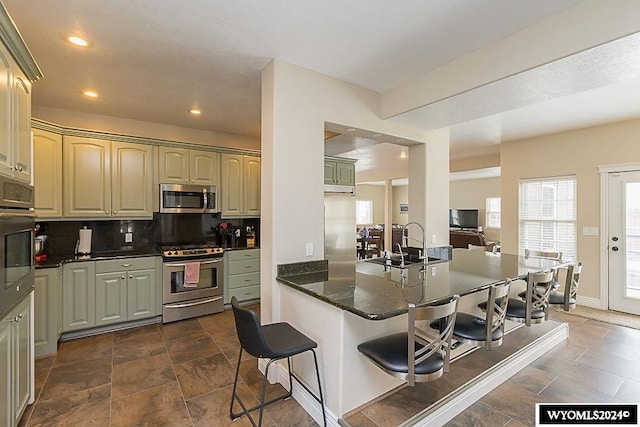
{"points": [[632, 232], [17, 256], [183, 199], [208, 280]]}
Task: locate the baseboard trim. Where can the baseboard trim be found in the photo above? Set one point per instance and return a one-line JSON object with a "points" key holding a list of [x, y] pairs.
{"points": [[591, 302], [454, 403]]}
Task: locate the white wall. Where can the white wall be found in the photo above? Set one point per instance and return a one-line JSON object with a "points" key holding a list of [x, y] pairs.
{"points": [[400, 196], [577, 153], [79, 120]]}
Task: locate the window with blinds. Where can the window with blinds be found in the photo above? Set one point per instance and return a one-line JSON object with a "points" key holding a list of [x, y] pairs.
{"points": [[493, 212], [547, 213], [364, 212]]}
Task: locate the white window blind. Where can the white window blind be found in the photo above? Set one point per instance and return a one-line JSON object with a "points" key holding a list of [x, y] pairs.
{"points": [[548, 215], [493, 212], [364, 212]]}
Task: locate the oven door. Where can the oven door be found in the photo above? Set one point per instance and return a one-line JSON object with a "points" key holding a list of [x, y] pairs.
{"points": [[16, 256], [209, 285]]}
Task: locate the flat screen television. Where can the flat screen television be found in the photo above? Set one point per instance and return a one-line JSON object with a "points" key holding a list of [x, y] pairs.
{"points": [[463, 218]]}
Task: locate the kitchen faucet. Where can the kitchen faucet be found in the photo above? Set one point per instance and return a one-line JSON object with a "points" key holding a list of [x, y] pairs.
{"points": [[423, 255]]}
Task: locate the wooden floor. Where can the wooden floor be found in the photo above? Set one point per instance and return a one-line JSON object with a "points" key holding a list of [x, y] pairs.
{"points": [[597, 364], [180, 374]]}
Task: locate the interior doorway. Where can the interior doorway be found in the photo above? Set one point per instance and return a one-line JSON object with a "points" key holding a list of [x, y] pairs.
{"points": [[623, 241]]}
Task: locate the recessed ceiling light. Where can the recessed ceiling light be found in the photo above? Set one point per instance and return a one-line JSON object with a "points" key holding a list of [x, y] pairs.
{"points": [[78, 41], [90, 93], [376, 135], [195, 111], [350, 129]]}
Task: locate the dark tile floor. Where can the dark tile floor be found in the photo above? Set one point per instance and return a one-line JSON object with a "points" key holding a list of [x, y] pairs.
{"points": [[178, 374], [599, 363], [181, 374]]}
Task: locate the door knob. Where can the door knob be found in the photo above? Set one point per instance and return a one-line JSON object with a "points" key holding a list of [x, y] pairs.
{"points": [[614, 249]]}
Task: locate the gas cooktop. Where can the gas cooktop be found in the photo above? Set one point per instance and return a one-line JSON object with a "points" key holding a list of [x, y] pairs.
{"points": [[186, 251]]}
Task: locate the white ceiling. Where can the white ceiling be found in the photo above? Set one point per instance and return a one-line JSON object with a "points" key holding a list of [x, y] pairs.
{"points": [[154, 60]]}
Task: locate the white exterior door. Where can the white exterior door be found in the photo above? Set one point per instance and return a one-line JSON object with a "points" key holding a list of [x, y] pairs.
{"points": [[624, 242]]}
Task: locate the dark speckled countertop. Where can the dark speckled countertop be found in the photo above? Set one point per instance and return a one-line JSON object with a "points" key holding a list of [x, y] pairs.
{"points": [[56, 260], [370, 292]]}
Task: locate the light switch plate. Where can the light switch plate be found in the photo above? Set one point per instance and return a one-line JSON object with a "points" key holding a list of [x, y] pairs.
{"points": [[309, 249], [128, 237], [590, 231]]}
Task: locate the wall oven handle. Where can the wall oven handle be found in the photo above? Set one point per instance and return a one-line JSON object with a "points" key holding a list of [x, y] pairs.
{"points": [[192, 304], [215, 261]]}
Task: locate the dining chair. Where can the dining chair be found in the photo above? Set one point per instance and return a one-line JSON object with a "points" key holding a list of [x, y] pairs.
{"points": [[416, 355], [534, 307], [274, 341], [552, 255], [476, 248], [568, 297], [488, 331]]}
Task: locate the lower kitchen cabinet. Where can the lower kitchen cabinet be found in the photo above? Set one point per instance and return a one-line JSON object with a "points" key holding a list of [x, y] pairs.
{"points": [[242, 275], [122, 290], [16, 363], [47, 318]]}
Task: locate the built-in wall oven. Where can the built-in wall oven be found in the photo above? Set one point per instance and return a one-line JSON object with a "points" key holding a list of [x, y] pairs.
{"points": [[16, 242], [193, 280]]}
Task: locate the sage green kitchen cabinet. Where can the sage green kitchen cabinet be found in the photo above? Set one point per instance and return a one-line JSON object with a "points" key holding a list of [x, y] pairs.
{"points": [[16, 363], [111, 298], [339, 171], [242, 275], [47, 173], [185, 166], [78, 296], [47, 320], [240, 185], [105, 179]]}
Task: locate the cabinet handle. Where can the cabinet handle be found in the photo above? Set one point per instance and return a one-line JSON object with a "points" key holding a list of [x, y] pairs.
{"points": [[19, 316], [126, 265], [130, 277], [123, 277], [115, 212]]}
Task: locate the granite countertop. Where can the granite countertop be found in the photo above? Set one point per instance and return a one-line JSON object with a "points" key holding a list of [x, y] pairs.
{"points": [[56, 260], [369, 291]]}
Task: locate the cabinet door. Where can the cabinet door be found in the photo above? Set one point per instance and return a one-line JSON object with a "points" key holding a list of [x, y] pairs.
{"points": [[345, 174], [87, 177], [78, 296], [131, 180], [22, 128], [174, 165], [46, 314], [329, 172], [22, 359], [111, 298], [231, 184], [141, 294], [5, 113], [6, 418], [47, 173], [204, 167], [251, 186]]}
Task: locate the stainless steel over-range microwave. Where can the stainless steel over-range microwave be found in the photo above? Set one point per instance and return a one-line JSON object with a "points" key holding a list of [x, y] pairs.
{"points": [[184, 198]]}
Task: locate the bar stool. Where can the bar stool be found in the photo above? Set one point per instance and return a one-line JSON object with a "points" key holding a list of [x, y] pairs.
{"points": [[274, 341]]}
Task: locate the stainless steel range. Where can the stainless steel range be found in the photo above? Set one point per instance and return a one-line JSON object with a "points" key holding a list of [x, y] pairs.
{"points": [[192, 281]]}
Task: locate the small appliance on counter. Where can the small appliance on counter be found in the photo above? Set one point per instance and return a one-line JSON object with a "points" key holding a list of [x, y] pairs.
{"points": [[83, 246], [39, 244]]}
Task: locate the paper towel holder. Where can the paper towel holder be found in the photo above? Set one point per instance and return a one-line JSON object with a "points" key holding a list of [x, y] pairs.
{"points": [[83, 245]]}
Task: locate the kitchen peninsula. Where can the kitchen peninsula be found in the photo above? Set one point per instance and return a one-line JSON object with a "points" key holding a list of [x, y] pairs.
{"points": [[341, 310]]}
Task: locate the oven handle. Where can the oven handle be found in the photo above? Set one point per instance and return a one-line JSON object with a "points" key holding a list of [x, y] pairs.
{"points": [[215, 261], [192, 304]]}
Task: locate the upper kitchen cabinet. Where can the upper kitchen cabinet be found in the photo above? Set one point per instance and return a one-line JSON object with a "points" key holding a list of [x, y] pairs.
{"points": [[47, 176], [240, 185], [106, 179], [184, 166], [17, 71], [339, 171]]}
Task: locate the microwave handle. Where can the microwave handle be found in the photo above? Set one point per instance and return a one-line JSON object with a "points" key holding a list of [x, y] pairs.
{"points": [[215, 261], [205, 197]]}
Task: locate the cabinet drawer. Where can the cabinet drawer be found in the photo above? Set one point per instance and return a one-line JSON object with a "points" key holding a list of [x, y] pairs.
{"points": [[247, 266], [246, 293], [247, 279], [243, 254], [122, 264]]}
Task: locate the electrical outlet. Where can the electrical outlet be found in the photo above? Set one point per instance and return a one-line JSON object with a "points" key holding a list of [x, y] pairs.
{"points": [[128, 237], [309, 249]]}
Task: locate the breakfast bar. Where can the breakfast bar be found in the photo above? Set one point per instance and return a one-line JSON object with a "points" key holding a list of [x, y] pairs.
{"points": [[341, 306]]}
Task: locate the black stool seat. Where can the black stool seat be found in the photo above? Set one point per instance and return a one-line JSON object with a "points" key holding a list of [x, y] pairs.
{"points": [[517, 308], [274, 341], [557, 297], [284, 340], [473, 328], [391, 353]]}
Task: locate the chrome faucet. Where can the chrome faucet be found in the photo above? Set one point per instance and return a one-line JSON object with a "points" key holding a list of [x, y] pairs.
{"points": [[423, 255], [401, 256]]}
